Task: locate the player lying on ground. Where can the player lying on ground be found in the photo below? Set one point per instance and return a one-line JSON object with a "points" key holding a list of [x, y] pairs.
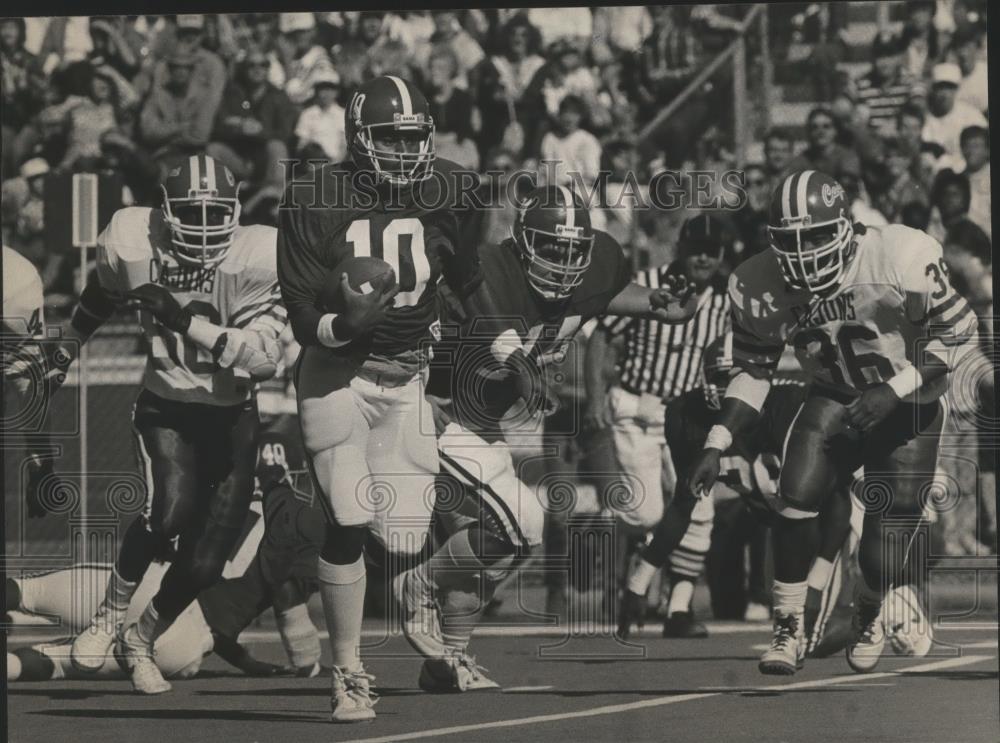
{"points": [[749, 469], [360, 378], [877, 328], [208, 294], [539, 287], [274, 568]]}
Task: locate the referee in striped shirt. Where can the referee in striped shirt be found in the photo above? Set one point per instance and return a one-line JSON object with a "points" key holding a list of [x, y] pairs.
{"points": [[659, 363]]}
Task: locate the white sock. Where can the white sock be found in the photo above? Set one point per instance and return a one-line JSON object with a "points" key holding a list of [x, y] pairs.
{"points": [[641, 576], [789, 598], [680, 597], [820, 574]]}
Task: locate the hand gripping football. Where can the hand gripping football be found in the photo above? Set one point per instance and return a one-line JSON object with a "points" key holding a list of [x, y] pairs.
{"points": [[365, 274]]}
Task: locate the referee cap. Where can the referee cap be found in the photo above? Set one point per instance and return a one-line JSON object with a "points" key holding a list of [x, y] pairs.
{"points": [[704, 231]]}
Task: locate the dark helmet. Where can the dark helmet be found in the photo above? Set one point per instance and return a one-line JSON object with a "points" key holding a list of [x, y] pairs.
{"points": [[391, 107], [716, 365], [552, 232], [202, 208], [810, 230]]}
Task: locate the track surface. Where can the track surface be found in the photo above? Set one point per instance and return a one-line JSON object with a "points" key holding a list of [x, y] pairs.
{"points": [[695, 690]]}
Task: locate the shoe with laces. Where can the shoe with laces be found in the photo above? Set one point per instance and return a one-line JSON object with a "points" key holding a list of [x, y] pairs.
{"points": [[352, 698], [455, 673], [136, 657], [906, 625], [419, 614], [869, 637], [91, 647], [787, 651]]}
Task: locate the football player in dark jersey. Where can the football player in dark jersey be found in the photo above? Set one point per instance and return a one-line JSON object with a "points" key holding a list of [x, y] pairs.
{"points": [[749, 467], [360, 376], [554, 274]]}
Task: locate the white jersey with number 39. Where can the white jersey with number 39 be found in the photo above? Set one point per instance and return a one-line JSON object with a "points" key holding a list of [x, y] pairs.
{"points": [[240, 292], [894, 304]]}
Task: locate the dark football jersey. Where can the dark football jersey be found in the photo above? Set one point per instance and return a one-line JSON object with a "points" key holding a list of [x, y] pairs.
{"points": [[505, 311], [421, 233], [751, 465]]}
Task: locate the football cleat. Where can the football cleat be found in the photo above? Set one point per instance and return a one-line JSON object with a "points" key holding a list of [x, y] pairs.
{"points": [[787, 651], [906, 626], [683, 625], [351, 696], [868, 642], [631, 610], [136, 657], [91, 647], [455, 673], [419, 614]]}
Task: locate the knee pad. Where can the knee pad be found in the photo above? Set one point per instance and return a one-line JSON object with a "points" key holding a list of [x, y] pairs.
{"points": [[343, 545]]}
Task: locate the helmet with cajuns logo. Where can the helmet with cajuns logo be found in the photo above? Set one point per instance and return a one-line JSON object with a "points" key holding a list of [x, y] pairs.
{"points": [[553, 235], [716, 365], [810, 230], [391, 108], [202, 208]]}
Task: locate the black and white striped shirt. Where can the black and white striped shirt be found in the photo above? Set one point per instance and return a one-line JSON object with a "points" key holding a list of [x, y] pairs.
{"points": [[665, 360]]}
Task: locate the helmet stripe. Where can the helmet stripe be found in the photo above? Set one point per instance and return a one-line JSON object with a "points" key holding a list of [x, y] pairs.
{"points": [[404, 95], [570, 207], [803, 185], [211, 167], [195, 167], [786, 196]]}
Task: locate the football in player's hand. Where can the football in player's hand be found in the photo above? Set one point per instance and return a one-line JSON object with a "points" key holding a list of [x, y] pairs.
{"points": [[365, 274]]}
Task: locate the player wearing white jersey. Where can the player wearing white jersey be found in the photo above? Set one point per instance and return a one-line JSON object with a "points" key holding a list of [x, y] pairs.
{"points": [[209, 299], [877, 327]]}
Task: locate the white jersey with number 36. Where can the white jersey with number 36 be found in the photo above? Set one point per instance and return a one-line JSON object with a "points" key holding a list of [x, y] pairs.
{"points": [[240, 292], [894, 304]]}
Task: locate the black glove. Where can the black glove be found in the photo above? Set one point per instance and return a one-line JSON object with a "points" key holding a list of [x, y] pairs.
{"points": [[160, 303]]}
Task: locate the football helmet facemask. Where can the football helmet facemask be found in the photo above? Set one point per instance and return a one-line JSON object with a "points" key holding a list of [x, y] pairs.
{"points": [[390, 131], [810, 231], [554, 238], [716, 366], [202, 208]]}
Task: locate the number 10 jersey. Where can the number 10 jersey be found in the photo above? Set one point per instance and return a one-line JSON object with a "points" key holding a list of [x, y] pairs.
{"points": [[240, 292], [893, 307]]}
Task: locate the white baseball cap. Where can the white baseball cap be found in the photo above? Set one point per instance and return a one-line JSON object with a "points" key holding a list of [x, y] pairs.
{"points": [[946, 72], [291, 22]]}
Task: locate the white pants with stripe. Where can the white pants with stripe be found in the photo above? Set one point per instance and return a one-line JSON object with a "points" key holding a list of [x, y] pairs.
{"points": [[487, 469]]}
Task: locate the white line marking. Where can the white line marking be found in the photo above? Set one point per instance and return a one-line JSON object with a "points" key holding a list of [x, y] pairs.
{"points": [[613, 709]]}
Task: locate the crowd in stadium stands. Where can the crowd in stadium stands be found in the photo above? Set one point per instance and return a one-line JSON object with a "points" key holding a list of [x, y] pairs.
{"points": [[907, 136]]}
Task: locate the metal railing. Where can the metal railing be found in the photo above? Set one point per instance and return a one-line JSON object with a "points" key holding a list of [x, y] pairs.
{"points": [[736, 53]]}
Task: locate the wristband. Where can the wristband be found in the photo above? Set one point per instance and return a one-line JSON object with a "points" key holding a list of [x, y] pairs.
{"points": [[325, 334], [719, 437], [906, 382]]}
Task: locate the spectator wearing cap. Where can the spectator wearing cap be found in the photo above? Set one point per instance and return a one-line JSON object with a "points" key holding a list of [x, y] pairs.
{"points": [[208, 75], [886, 87], [659, 363], [902, 188], [823, 153], [947, 116], [110, 47], [172, 123], [320, 128], [975, 142], [254, 126], [500, 83], [456, 119], [966, 46], [449, 35], [306, 59]]}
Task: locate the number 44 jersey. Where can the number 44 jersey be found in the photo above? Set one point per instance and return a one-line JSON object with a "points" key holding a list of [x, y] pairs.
{"points": [[893, 306], [239, 292]]}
